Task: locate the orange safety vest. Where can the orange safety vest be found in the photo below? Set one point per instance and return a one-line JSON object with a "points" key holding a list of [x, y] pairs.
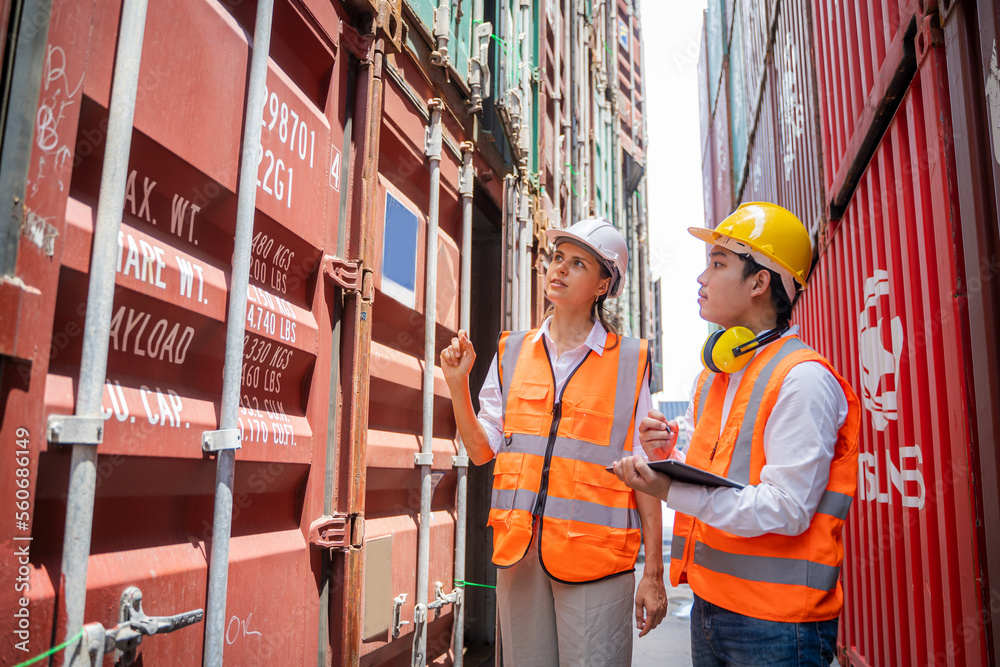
{"points": [[772, 577], [552, 465]]}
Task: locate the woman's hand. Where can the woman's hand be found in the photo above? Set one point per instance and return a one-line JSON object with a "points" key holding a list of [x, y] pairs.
{"points": [[457, 359], [657, 436]]}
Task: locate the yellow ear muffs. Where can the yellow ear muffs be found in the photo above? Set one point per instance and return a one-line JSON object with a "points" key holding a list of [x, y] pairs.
{"points": [[720, 353]]}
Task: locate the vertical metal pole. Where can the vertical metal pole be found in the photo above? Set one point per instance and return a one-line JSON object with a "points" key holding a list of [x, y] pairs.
{"points": [[100, 299], [557, 161], [461, 461], [574, 110], [424, 459], [222, 522]]}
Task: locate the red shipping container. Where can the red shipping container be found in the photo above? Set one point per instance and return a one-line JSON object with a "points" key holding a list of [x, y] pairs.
{"points": [[704, 107], [761, 183], [722, 174], [756, 31], [800, 183], [886, 304], [864, 62]]}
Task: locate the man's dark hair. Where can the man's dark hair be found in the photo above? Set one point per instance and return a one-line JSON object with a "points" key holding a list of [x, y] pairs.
{"points": [[779, 298]]}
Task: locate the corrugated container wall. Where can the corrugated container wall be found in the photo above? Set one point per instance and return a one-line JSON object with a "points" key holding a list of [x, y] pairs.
{"points": [[704, 108], [798, 141], [887, 305], [739, 105]]}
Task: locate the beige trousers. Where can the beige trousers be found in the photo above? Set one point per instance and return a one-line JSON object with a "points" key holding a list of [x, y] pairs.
{"points": [[544, 623]]}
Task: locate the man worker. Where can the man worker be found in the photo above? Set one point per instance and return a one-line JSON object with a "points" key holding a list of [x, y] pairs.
{"points": [[768, 412]]}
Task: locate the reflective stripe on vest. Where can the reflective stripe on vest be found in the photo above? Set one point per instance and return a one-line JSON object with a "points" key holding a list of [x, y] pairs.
{"points": [[739, 465], [704, 396], [568, 509], [765, 569], [511, 351]]}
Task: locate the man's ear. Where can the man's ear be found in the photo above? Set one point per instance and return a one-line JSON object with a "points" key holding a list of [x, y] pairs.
{"points": [[761, 281]]}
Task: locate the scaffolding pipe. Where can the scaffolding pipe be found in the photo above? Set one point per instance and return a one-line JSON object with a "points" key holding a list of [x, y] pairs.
{"points": [[97, 326], [222, 521], [424, 459], [526, 232], [461, 462], [557, 162]]}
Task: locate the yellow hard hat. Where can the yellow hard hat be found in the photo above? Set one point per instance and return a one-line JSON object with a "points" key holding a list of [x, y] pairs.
{"points": [[772, 235]]}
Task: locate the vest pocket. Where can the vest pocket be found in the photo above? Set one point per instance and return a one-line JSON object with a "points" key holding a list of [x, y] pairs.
{"points": [[591, 426], [599, 513], [527, 407], [506, 474]]}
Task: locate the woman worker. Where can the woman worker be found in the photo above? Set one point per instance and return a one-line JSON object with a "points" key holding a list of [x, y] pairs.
{"points": [[557, 408]]}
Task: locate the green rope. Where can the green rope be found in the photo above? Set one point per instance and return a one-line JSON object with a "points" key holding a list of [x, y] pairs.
{"points": [[458, 582], [54, 649]]}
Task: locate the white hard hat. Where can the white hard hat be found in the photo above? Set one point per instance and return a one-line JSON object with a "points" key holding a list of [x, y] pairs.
{"points": [[604, 241]]}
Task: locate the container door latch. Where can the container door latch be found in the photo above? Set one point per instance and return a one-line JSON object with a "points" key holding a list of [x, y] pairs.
{"points": [[124, 638]]}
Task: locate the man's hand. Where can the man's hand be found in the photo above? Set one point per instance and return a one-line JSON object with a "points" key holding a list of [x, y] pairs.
{"points": [[657, 435], [650, 603], [637, 474]]}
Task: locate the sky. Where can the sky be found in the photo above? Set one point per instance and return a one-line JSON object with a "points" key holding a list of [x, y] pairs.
{"points": [[672, 38]]}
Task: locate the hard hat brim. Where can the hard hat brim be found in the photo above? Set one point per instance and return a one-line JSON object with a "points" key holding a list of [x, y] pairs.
{"points": [[711, 237]]}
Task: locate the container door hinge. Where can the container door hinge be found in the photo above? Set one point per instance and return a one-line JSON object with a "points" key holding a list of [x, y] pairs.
{"points": [[340, 531], [134, 624], [343, 273]]}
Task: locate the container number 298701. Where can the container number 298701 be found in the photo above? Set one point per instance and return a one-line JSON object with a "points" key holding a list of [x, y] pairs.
{"points": [[292, 131]]}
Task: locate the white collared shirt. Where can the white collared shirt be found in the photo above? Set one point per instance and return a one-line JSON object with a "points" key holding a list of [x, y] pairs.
{"points": [[491, 398], [799, 442]]}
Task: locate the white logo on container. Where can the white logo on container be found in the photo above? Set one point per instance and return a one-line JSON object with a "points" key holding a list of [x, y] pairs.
{"points": [[879, 361], [792, 112], [993, 95]]}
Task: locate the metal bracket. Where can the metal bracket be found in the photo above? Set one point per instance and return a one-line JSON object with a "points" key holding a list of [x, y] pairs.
{"points": [[929, 35], [441, 599], [343, 272], [75, 430], [423, 459], [340, 531], [217, 441], [466, 173], [432, 137], [397, 621], [460, 461], [419, 621], [330, 532]]}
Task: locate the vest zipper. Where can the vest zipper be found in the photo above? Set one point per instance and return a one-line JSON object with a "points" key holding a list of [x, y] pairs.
{"points": [[543, 487], [711, 457], [549, 447]]}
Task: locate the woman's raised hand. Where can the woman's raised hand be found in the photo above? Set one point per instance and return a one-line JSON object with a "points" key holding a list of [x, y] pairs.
{"points": [[457, 358]]}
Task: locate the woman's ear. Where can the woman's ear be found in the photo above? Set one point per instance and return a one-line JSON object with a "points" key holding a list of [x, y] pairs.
{"points": [[603, 287]]}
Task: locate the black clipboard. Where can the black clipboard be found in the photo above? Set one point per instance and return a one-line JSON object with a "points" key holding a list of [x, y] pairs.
{"points": [[682, 472]]}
